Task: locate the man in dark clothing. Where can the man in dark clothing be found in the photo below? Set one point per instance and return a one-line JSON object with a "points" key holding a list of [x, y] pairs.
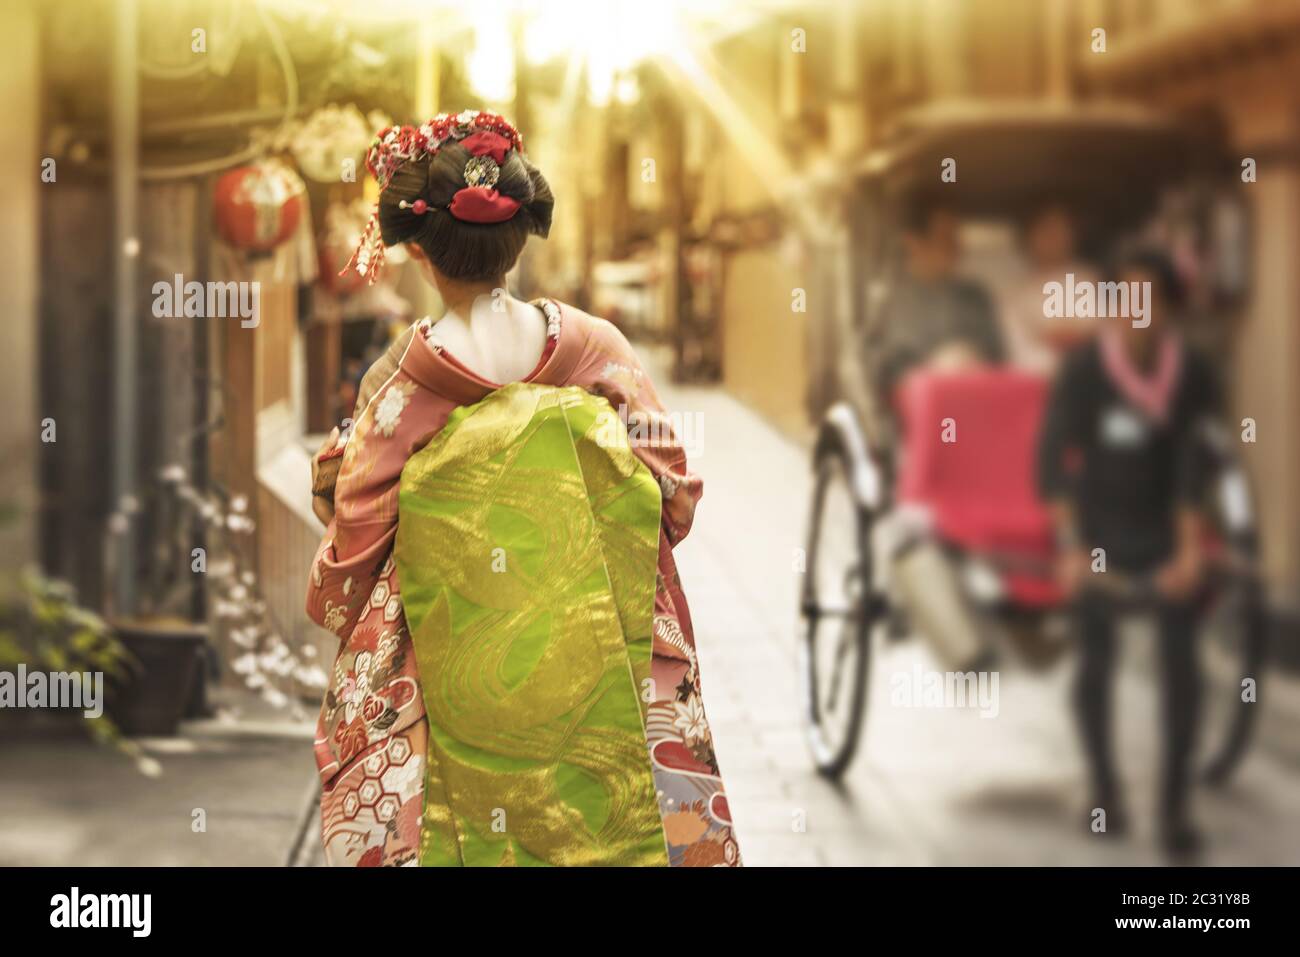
{"points": [[1120, 463], [933, 316]]}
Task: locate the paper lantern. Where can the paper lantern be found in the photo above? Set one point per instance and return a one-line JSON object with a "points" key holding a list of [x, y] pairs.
{"points": [[330, 137], [258, 207]]}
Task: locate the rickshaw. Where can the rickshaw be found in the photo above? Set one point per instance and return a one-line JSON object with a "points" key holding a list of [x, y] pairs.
{"points": [[1112, 163]]}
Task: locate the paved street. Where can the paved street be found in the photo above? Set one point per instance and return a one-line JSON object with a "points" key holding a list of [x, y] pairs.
{"points": [[937, 786], [65, 801]]}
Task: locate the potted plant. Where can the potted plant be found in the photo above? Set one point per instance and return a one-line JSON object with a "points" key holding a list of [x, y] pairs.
{"points": [[43, 628], [166, 652]]}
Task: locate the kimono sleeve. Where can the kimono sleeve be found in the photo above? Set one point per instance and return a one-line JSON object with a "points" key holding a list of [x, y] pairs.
{"points": [[340, 585], [657, 437], [359, 539]]}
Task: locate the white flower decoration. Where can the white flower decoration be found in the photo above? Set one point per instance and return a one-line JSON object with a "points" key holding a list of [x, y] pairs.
{"points": [[613, 370], [668, 486], [388, 413]]}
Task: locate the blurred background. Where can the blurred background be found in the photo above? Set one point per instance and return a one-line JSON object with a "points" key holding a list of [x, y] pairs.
{"points": [[728, 178]]}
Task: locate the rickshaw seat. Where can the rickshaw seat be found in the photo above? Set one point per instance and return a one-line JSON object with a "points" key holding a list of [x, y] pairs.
{"points": [[975, 474]]}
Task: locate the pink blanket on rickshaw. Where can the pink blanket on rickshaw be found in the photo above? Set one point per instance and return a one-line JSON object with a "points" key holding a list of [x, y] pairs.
{"points": [[969, 446]]}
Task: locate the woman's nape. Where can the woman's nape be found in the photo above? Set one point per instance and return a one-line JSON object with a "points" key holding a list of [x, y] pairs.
{"points": [[486, 329]]}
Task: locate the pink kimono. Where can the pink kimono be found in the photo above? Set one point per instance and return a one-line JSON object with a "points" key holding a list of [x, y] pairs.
{"points": [[372, 734]]}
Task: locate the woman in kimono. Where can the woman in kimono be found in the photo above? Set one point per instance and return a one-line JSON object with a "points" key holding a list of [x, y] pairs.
{"points": [[516, 682]]}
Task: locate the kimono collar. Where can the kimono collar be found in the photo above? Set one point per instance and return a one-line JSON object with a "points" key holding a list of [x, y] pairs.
{"points": [[436, 370], [1152, 393]]}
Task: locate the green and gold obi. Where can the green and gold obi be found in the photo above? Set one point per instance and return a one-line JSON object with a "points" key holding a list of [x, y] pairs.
{"points": [[526, 550]]}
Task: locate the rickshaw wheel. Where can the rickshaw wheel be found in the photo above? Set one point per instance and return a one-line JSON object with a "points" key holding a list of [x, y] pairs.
{"points": [[838, 612], [1244, 607], [1241, 607]]}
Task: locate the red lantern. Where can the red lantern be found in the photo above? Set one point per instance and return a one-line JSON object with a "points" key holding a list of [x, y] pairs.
{"points": [[257, 207]]}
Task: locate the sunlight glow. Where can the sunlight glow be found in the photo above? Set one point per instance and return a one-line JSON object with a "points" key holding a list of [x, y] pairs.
{"points": [[491, 65]]}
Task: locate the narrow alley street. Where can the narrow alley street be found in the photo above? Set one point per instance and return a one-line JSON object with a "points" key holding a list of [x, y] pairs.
{"points": [[929, 786]]}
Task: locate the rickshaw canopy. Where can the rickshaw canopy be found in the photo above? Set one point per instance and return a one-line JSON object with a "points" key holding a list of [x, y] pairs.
{"points": [[1108, 160]]}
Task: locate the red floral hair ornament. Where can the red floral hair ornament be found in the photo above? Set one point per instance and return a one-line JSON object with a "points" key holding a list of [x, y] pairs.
{"points": [[478, 202], [487, 136]]}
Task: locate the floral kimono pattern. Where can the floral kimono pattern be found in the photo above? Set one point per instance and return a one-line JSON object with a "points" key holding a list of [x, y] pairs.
{"points": [[373, 736]]}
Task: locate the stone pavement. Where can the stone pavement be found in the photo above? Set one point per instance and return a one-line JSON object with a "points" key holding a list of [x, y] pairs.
{"points": [[65, 801], [928, 786]]}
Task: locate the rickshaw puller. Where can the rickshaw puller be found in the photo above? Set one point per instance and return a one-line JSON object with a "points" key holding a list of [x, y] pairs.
{"points": [[1118, 462]]}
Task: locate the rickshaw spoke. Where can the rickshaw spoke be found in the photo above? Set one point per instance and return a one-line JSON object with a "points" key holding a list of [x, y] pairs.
{"points": [[837, 671]]}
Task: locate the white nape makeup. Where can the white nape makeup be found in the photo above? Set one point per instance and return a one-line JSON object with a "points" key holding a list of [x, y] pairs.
{"points": [[501, 341]]}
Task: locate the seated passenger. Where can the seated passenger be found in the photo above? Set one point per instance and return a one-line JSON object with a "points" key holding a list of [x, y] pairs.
{"points": [[933, 317], [1036, 341]]}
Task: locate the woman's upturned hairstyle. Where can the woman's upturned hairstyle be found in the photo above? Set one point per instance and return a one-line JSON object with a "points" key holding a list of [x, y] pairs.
{"points": [[459, 249], [460, 188]]}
